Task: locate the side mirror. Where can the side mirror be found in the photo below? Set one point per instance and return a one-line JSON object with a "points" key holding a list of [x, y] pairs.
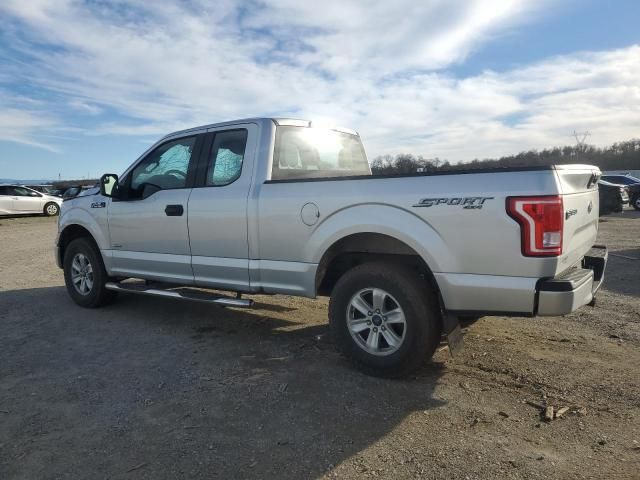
{"points": [[109, 185]]}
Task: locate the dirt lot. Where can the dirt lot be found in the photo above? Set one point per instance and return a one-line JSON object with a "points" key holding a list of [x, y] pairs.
{"points": [[153, 388]]}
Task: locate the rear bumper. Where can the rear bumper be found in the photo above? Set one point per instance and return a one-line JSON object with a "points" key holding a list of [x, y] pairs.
{"points": [[478, 295], [574, 288]]}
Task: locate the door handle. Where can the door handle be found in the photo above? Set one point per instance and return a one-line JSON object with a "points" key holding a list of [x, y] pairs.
{"points": [[174, 210]]}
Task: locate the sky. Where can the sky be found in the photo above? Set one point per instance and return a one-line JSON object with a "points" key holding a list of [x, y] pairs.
{"points": [[87, 86]]}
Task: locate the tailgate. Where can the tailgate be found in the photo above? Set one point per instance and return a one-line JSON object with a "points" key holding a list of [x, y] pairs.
{"points": [[579, 188]]}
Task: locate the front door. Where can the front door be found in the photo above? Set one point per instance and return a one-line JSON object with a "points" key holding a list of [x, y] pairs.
{"points": [[218, 208], [148, 220], [27, 201]]}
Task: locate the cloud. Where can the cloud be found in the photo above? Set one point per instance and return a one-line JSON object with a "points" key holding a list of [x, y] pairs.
{"points": [[25, 120], [85, 107], [378, 67], [20, 126]]}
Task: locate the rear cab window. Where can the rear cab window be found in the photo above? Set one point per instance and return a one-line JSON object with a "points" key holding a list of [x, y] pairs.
{"points": [[311, 152]]}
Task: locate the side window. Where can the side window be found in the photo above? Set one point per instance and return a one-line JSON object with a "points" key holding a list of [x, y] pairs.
{"points": [[166, 167], [4, 191], [23, 192], [225, 159]]}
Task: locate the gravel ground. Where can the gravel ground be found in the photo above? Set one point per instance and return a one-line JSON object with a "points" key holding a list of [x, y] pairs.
{"points": [[152, 388]]}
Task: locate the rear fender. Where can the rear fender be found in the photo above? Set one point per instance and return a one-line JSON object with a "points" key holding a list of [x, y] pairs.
{"points": [[383, 219]]}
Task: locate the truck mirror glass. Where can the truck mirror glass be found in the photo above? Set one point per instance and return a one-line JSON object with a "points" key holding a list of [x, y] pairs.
{"points": [[108, 184]]}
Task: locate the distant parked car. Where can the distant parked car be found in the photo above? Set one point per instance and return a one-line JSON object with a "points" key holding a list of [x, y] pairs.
{"points": [[632, 183], [58, 192], [46, 189], [80, 190], [613, 197], [20, 200]]}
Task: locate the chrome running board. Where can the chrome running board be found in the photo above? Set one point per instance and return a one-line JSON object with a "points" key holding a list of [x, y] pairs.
{"points": [[181, 293]]}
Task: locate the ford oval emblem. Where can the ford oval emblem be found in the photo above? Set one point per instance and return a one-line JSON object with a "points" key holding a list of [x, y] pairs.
{"points": [[590, 206]]}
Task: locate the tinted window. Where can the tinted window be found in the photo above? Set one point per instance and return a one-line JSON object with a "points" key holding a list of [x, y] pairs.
{"points": [[614, 179], [227, 155], [5, 191], [24, 192], [621, 179], [303, 152], [165, 167]]}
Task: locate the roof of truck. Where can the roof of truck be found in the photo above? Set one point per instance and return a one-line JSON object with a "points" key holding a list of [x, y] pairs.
{"points": [[294, 122]]}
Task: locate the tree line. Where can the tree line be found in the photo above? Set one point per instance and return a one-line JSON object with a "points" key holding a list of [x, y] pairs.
{"points": [[619, 156]]}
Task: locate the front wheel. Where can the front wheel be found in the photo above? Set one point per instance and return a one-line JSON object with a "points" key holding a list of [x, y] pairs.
{"points": [[51, 209], [85, 275], [635, 202], [385, 318]]}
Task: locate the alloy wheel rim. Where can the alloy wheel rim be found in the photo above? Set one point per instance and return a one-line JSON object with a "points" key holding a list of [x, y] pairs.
{"points": [[52, 209], [376, 321], [82, 274]]}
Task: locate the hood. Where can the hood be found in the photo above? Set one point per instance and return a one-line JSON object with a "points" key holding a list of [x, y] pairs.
{"points": [[51, 198]]}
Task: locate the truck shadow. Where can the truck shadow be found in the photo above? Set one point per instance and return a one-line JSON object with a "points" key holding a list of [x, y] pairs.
{"points": [[186, 389], [621, 276]]}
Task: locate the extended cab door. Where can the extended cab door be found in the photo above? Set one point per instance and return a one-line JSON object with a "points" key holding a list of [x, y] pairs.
{"points": [[148, 220], [218, 208]]}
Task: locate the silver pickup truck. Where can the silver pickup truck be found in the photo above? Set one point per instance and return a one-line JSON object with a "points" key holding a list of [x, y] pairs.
{"points": [[289, 207]]}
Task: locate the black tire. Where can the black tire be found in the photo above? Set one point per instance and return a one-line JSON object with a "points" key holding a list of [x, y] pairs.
{"points": [[97, 295], [635, 202], [420, 306], [51, 209]]}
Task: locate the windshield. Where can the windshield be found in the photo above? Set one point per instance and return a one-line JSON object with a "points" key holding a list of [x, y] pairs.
{"points": [[307, 152]]}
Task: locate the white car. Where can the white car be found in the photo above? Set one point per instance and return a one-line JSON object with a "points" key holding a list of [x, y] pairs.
{"points": [[20, 200]]}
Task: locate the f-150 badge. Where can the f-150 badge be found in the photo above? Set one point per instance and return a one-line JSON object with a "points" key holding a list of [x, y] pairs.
{"points": [[469, 203]]}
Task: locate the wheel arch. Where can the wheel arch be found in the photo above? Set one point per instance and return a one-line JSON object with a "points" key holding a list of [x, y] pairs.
{"points": [[370, 231], [358, 248], [70, 233]]}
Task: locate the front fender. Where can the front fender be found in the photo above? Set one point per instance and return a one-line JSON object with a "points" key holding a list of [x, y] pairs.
{"points": [[384, 219], [95, 222]]}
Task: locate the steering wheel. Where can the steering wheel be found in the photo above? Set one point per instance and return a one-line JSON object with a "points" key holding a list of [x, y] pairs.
{"points": [[176, 173]]}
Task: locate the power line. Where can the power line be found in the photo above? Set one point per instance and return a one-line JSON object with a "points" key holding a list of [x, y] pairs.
{"points": [[581, 141]]}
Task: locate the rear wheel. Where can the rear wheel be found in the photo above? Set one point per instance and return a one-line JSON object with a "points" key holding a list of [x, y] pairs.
{"points": [[51, 209], [385, 319], [635, 202], [85, 275]]}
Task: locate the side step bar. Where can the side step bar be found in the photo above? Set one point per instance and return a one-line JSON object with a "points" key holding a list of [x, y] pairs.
{"points": [[180, 294]]}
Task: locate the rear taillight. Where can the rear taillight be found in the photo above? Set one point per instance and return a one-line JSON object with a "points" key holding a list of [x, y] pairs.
{"points": [[541, 222]]}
